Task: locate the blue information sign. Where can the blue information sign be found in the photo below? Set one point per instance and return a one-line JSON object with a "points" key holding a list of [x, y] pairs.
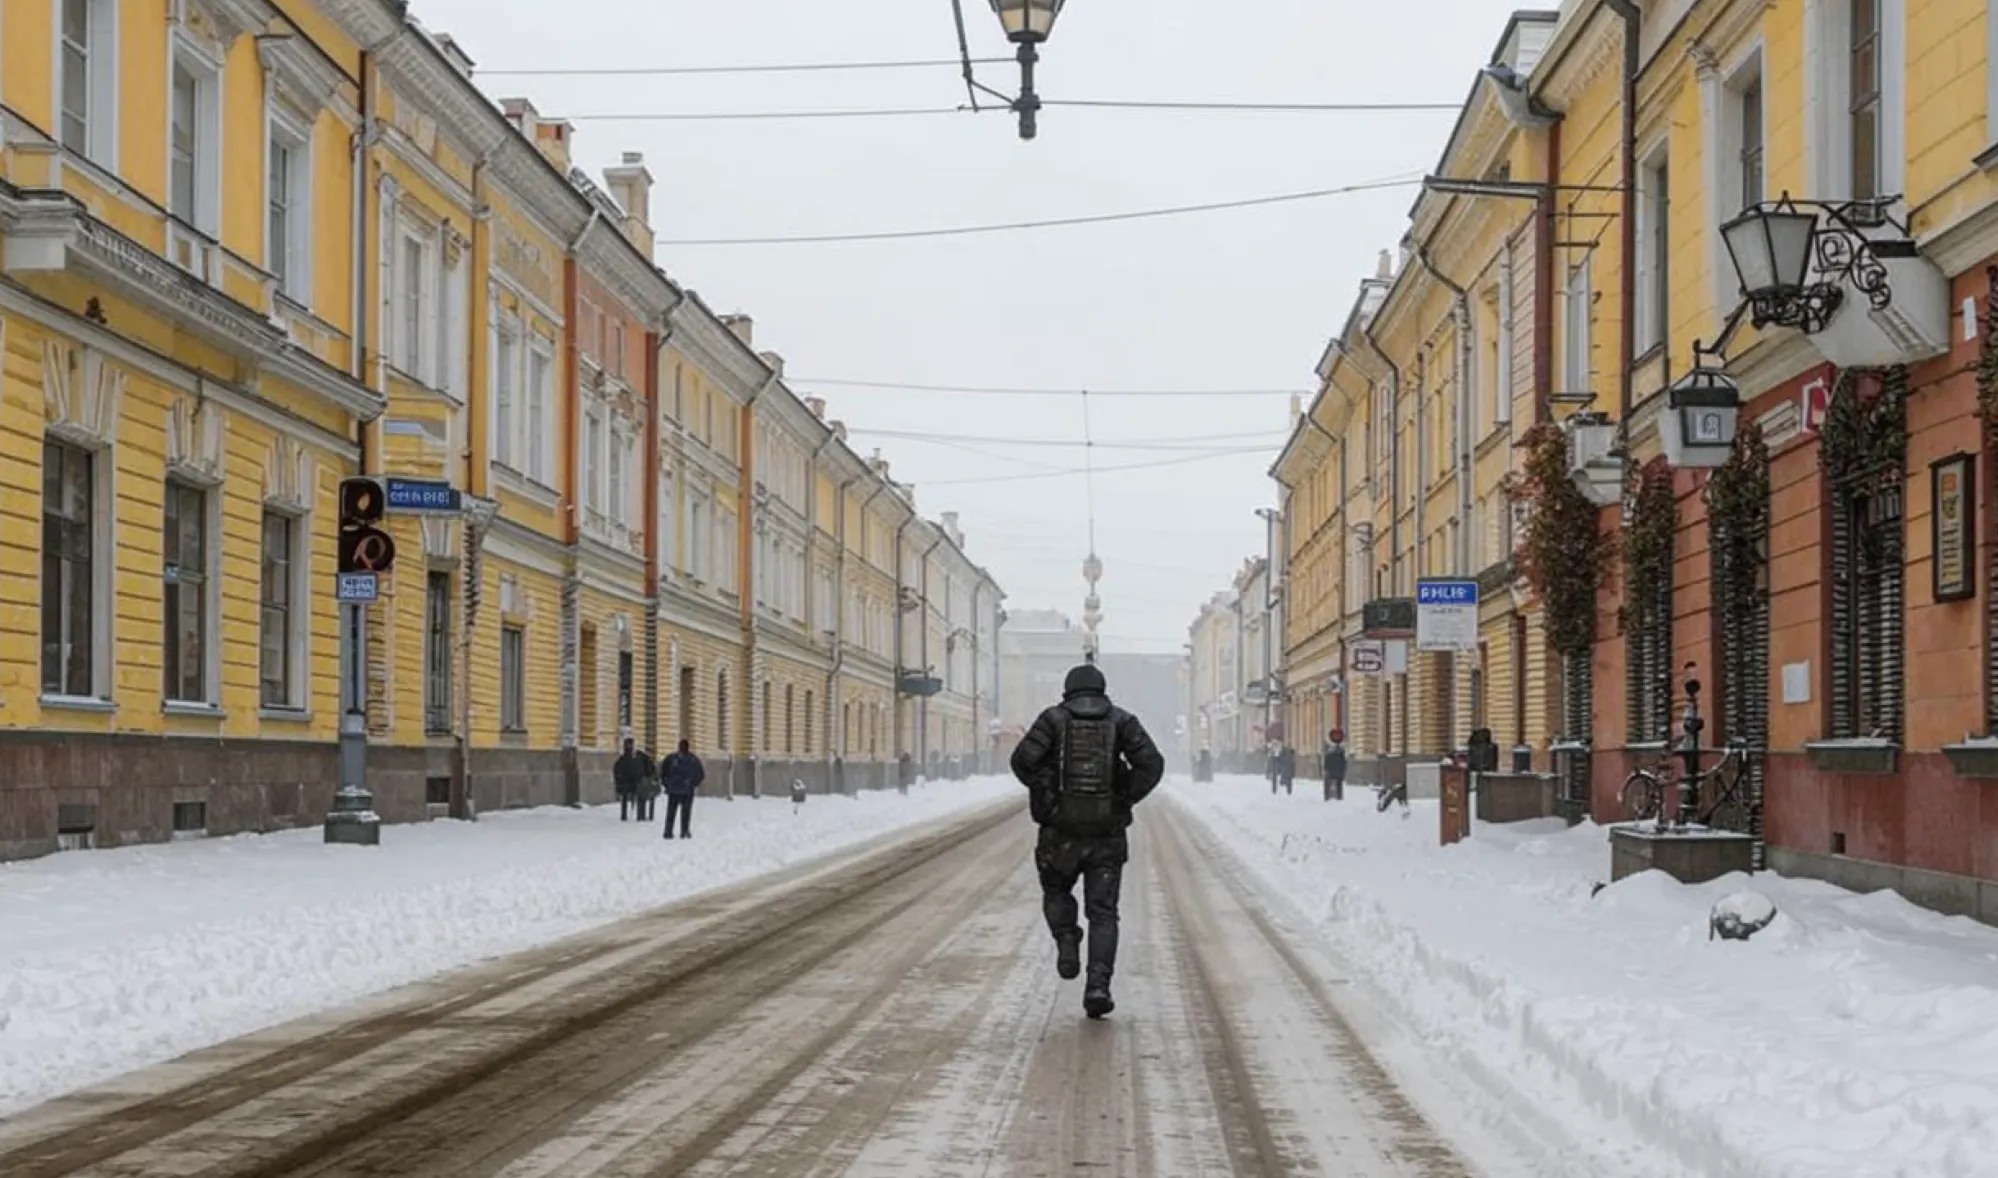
{"points": [[1446, 615], [1446, 593], [423, 495], [356, 588]]}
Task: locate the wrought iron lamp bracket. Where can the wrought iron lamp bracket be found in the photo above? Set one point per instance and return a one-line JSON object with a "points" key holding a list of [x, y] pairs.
{"points": [[1842, 256]]}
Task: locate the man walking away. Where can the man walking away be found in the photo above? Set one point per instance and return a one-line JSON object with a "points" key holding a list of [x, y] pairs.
{"points": [[1086, 763], [648, 790], [1335, 765], [1287, 768], [629, 774], [682, 774]]}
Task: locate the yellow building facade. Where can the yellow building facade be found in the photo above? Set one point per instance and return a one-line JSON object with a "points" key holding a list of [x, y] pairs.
{"points": [[251, 249]]}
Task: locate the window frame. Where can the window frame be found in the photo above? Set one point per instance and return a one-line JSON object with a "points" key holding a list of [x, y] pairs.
{"points": [[208, 594], [100, 54], [1654, 249], [513, 679], [1828, 98], [101, 520], [1577, 325], [438, 687], [207, 74], [508, 399], [290, 641], [289, 261], [539, 362], [414, 310]]}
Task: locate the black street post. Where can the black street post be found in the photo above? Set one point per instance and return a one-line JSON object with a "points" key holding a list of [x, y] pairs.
{"points": [[1028, 104]]}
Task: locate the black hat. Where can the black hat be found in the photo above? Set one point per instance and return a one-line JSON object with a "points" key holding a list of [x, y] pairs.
{"points": [[1085, 679]]}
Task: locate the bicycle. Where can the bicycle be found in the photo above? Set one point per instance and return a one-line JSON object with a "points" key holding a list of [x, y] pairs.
{"points": [[1387, 795], [1731, 807], [1643, 794]]}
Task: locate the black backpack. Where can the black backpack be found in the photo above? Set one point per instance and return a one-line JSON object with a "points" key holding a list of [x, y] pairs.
{"points": [[1087, 802]]}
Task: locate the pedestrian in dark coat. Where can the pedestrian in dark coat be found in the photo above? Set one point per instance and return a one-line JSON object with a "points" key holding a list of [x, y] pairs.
{"points": [[1335, 765], [1086, 763], [681, 774], [630, 774], [1287, 767]]}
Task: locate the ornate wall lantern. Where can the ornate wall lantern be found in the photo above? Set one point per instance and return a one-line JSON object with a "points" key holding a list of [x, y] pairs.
{"points": [[1702, 409]]}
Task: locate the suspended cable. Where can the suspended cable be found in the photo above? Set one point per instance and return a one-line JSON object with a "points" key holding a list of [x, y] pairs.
{"points": [[1273, 107], [972, 108], [1407, 181], [890, 112], [1186, 442], [1011, 478], [805, 67], [990, 390]]}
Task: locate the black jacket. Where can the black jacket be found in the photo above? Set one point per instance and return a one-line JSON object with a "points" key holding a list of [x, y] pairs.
{"points": [[1037, 760], [683, 774], [631, 772]]}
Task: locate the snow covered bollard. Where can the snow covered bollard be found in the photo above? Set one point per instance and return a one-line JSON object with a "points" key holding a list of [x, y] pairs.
{"points": [[1740, 916], [797, 795]]}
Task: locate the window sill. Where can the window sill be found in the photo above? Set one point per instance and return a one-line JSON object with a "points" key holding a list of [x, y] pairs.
{"points": [[1865, 756], [79, 703], [287, 715], [513, 736], [1986, 160], [198, 711]]}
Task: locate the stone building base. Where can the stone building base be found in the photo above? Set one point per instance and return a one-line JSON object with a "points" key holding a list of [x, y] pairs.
{"points": [[1952, 895]]}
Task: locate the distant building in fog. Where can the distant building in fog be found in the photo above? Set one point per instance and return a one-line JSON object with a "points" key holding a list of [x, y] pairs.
{"points": [[1037, 647]]}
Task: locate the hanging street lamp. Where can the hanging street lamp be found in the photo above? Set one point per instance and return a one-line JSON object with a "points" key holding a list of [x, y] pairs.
{"points": [[1027, 24], [1775, 245], [1701, 412]]}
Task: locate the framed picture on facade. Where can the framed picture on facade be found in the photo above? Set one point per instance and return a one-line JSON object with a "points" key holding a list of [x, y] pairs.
{"points": [[1953, 538]]}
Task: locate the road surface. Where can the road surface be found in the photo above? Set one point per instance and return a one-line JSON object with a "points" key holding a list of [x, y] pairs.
{"points": [[895, 1015]]}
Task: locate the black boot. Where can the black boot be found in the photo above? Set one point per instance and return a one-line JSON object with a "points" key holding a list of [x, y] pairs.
{"points": [[1096, 1000], [1068, 956]]}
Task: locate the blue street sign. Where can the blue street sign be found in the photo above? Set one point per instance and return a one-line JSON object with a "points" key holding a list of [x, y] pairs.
{"points": [[1446, 593], [423, 495], [356, 588]]}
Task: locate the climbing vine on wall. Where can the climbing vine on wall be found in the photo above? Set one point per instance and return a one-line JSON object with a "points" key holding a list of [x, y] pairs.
{"points": [[1863, 451], [1646, 613], [1738, 547], [1562, 552]]}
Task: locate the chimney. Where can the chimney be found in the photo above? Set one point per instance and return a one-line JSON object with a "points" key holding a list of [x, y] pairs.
{"points": [[818, 407], [630, 185], [552, 137], [839, 427], [951, 529], [773, 362], [521, 113], [1296, 409], [455, 54], [742, 326], [1385, 267]]}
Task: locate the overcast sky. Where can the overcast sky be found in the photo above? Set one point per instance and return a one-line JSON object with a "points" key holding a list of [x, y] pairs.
{"points": [[1227, 300]]}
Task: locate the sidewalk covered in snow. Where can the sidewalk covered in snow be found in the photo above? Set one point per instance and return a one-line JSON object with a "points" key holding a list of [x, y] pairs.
{"points": [[1857, 1036], [113, 960]]}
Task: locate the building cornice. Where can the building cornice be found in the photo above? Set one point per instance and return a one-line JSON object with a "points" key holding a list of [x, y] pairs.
{"points": [[610, 258], [713, 348]]}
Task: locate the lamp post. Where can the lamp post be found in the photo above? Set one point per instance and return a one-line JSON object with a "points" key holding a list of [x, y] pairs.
{"points": [[1027, 24]]}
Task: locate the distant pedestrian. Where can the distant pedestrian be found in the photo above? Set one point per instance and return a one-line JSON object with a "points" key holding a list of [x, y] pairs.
{"points": [[1286, 767], [629, 775], [648, 790], [682, 774], [1086, 763], [1335, 765]]}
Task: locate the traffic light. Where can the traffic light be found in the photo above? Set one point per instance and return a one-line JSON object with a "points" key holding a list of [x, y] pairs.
{"points": [[364, 547]]}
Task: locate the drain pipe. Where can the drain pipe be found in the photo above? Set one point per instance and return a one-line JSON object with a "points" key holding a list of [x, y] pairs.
{"points": [[1627, 281]]}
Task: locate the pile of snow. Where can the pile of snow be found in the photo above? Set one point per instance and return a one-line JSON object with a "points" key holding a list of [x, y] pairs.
{"points": [[114, 960], [1856, 1036]]}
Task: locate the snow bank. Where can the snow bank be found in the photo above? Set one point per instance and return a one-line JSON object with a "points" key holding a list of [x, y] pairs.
{"points": [[1856, 1036], [114, 960]]}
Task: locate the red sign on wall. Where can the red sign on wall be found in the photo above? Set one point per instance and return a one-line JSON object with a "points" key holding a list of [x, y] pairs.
{"points": [[1813, 401]]}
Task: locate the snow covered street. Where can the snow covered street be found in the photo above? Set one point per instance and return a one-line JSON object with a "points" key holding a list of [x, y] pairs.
{"points": [[1856, 1037], [112, 960]]}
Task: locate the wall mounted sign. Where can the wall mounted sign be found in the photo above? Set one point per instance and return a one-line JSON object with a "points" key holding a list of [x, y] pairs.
{"points": [[1953, 539]]}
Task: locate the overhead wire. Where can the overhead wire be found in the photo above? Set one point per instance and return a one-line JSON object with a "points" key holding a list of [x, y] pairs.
{"points": [[1073, 471], [801, 67], [889, 112], [1404, 181], [1184, 442], [1001, 390]]}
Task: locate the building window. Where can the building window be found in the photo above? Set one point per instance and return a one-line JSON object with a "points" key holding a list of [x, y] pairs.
{"points": [[437, 652], [614, 357], [69, 573], [413, 318], [181, 143], [1654, 251], [87, 80], [699, 537], [505, 412], [513, 679], [288, 227], [1863, 98], [593, 461], [1575, 315], [722, 744], [275, 616], [541, 431], [764, 744], [1748, 132], [626, 673], [185, 581]]}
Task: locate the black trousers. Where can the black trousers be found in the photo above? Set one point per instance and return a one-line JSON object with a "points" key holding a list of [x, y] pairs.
{"points": [[624, 804], [1098, 861], [646, 804], [684, 808]]}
